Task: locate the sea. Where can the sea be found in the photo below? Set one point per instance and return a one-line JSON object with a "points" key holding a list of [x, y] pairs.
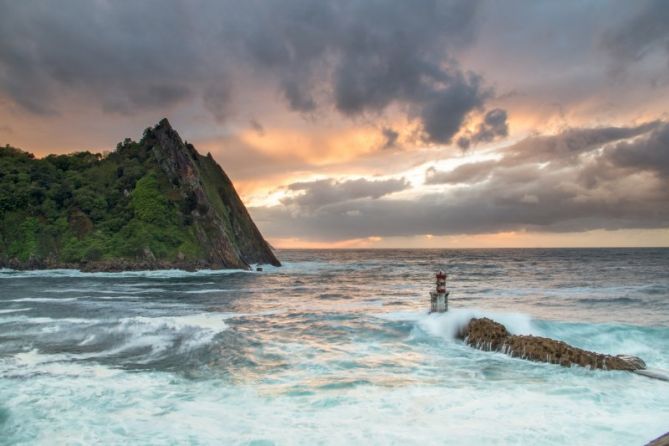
{"points": [[336, 347]]}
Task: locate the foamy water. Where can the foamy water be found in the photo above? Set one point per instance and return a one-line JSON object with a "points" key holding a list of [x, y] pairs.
{"points": [[335, 347]]}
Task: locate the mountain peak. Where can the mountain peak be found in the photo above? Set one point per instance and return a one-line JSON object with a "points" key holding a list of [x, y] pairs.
{"points": [[163, 123]]}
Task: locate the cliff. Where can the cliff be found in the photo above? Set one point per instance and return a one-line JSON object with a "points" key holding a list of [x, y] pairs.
{"points": [[152, 204]]}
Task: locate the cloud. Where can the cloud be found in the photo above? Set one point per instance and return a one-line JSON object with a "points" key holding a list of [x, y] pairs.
{"points": [[217, 100], [578, 180], [567, 146], [650, 153], [467, 173], [314, 195], [444, 113], [257, 127], [390, 137], [640, 34], [357, 57], [493, 126], [107, 53], [151, 97]]}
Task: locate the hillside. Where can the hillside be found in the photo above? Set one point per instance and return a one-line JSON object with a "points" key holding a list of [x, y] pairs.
{"points": [[156, 203]]}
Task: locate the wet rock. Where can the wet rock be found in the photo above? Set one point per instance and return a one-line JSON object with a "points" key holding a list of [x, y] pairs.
{"points": [[486, 334], [660, 441]]}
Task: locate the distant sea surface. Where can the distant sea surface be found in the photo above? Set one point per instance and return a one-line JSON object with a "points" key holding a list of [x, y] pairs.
{"points": [[335, 347]]}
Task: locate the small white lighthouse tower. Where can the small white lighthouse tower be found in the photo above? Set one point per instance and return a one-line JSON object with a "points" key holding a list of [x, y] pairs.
{"points": [[439, 298]]}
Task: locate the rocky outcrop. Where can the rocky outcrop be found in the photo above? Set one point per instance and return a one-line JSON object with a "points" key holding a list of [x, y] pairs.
{"points": [[486, 334], [660, 441], [222, 224]]}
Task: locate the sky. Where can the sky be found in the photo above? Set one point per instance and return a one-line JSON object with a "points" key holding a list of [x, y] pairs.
{"points": [[371, 123]]}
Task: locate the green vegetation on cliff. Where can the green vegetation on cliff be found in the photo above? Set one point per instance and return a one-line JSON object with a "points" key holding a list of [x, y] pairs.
{"points": [[155, 202]]}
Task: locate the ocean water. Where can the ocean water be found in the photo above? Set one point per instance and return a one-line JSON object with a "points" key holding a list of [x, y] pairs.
{"points": [[335, 347]]}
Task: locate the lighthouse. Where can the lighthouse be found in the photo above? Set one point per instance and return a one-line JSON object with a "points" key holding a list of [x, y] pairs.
{"points": [[439, 297]]}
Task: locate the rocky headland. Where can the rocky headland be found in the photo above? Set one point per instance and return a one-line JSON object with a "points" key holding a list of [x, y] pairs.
{"points": [[152, 204]]}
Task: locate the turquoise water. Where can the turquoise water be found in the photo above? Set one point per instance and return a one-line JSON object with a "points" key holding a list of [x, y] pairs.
{"points": [[335, 347]]}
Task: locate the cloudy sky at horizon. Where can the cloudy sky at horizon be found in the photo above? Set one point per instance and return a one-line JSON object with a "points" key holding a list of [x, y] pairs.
{"points": [[371, 123]]}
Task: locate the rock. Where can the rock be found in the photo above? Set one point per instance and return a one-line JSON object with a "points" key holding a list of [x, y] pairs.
{"points": [[220, 219], [486, 334], [660, 441], [148, 254]]}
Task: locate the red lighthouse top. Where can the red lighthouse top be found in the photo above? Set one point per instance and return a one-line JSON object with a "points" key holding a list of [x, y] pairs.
{"points": [[441, 275]]}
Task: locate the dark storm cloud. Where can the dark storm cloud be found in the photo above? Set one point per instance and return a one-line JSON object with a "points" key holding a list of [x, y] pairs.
{"points": [[150, 96], [565, 147], [494, 126], [390, 137], [123, 56], [217, 99], [318, 194], [650, 153], [581, 179], [445, 112], [358, 56], [637, 36]]}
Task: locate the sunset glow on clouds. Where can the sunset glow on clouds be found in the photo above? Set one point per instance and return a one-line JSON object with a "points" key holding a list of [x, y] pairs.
{"points": [[369, 123]]}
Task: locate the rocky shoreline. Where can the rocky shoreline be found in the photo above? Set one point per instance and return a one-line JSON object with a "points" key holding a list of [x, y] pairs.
{"points": [[488, 335], [112, 266]]}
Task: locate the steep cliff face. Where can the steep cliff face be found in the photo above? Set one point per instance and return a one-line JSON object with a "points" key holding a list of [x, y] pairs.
{"points": [[222, 224], [156, 203]]}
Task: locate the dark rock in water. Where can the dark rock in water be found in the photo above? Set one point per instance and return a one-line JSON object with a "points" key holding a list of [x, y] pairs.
{"points": [[488, 335], [660, 441]]}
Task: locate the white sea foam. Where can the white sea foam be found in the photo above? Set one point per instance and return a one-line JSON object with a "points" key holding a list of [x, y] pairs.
{"points": [[44, 299], [160, 333], [150, 274], [245, 290], [211, 290], [214, 322], [150, 408], [33, 362], [14, 310], [42, 320], [157, 334], [127, 290], [447, 325]]}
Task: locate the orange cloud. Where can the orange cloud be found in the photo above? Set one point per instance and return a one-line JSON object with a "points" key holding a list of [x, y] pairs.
{"points": [[297, 243], [513, 239], [315, 147]]}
